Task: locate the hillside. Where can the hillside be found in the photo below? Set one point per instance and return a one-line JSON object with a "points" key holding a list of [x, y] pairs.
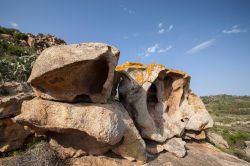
{"points": [[232, 120], [19, 50]]}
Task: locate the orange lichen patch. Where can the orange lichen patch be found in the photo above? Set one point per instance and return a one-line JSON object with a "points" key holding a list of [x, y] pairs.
{"points": [[139, 77], [196, 102], [151, 67], [129, 65]]}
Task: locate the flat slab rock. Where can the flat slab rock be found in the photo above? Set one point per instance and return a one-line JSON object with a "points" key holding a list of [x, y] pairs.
{"points": [[199, 154], [76, 72], [100, 121]]}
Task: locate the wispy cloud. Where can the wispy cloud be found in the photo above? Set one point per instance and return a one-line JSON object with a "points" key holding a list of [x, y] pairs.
{"points": [[125, 37], [201, 46], [155, 49], [162, 29], [160, 25], [14, 25], [127, 10], [234, 29]]}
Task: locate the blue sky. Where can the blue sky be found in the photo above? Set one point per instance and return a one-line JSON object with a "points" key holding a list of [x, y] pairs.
{"points": [[209, 39]]}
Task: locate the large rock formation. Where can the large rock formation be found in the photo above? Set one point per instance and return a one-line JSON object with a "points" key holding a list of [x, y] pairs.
{"points": [[77, 72], [160, 101], [155, 110]]}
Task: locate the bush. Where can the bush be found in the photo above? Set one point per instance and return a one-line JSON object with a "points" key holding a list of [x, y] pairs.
{"points": [[20, 36], [19, 70], [7, 48], [9, 31]]}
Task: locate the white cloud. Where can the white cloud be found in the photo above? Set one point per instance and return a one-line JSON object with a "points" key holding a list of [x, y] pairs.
{"points": [[164, 49], [160, 25], [156, 49], [13, 24], [129, 11], [200, 47], [162, 29], [170, 27], [153, 48], [234, 29]]}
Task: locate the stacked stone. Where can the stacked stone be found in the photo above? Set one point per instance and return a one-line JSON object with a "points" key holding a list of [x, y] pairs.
{"points": [[12, 135], [73, 85], [87, 105]]}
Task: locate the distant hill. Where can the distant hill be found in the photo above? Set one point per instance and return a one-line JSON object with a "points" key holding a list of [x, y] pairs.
{"points": [[19, 50], [228, 104], [232, 121]]}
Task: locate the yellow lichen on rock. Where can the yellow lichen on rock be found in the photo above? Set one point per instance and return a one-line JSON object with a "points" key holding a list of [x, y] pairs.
{"points": [[129, 65], [151, 67]]}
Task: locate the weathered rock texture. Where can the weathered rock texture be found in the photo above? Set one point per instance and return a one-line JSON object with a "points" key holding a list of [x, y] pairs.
{"points": [[100, 121], [12, 135], [160, 101], [77, 72], [199, 154], [217, 140], [247, 149], [12, 95]]}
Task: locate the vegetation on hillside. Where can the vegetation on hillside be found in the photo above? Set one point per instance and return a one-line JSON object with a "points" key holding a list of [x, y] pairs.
{"points": [[227, 110]]}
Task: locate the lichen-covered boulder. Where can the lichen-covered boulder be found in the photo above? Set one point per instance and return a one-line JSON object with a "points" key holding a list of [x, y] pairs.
{"points": [[160, 101], [76, 72], [99, 121]]}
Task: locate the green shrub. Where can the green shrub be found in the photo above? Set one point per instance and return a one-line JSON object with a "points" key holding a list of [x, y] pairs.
{"points": [[20, 36], [7, 48], [9, 31], [19, 70]]}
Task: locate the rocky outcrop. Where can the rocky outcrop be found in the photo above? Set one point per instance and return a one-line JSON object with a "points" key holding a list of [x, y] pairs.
{"points": [[42, 42], [77, 110], [12, 94], [160, 101], [77, 72], [217, 140], [247, 149], [12, 135], [38, 42], [198, 154]]}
